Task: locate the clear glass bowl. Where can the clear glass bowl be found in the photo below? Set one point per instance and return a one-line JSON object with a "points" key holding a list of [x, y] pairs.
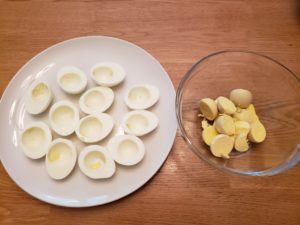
{"points": [[276, 92]]}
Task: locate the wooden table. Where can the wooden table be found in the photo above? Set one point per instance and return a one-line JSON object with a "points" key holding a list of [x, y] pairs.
{"points": [[186, 190]]}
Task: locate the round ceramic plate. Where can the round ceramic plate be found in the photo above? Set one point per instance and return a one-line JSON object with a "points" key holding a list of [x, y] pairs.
{"points": [[77, 190]]}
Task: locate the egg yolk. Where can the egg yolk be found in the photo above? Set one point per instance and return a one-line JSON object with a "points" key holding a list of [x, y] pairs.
{"points": [[40, 92], [94, 165], [54, 156], [94, 160]]}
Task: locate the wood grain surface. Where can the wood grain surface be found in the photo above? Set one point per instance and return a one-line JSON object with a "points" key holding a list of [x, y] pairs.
{"points": [[186, 190]]}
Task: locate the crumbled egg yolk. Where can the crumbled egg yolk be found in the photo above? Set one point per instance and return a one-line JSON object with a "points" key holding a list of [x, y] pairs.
{"points": [[96, 164], [54, 156], [233, 124], [39, 92]]}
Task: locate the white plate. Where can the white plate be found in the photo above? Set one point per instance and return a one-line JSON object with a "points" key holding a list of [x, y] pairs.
{"points": [[77, 190]]}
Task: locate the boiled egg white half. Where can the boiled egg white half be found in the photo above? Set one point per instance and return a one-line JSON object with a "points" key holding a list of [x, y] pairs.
{"points": [[61, 158], [107, 74], [35, 140], [96, 163], [96, 100], [63, 117], [93, 128], [126, 150], [139, 122], [71, 79], [38, 97], [141, 96]]}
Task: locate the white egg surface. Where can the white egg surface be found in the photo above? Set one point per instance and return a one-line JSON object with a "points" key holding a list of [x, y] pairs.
{"points": [[127, 150], [61, 158], [94, 128], [35, 140], [139, 122], [71, 79], [96, 163], [96, 100], [141, 96], [108, 74], [63, 117], [38, 97]]}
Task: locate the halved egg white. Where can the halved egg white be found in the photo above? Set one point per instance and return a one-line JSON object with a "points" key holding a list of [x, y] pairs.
{"points": [[71, 79], [96, 163], [139, 122], [94, 128], [38, 97], [126, 150], [63, 117], [35, 140], [141, 96], [61, 158], [96, 100], [107, 74]]}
